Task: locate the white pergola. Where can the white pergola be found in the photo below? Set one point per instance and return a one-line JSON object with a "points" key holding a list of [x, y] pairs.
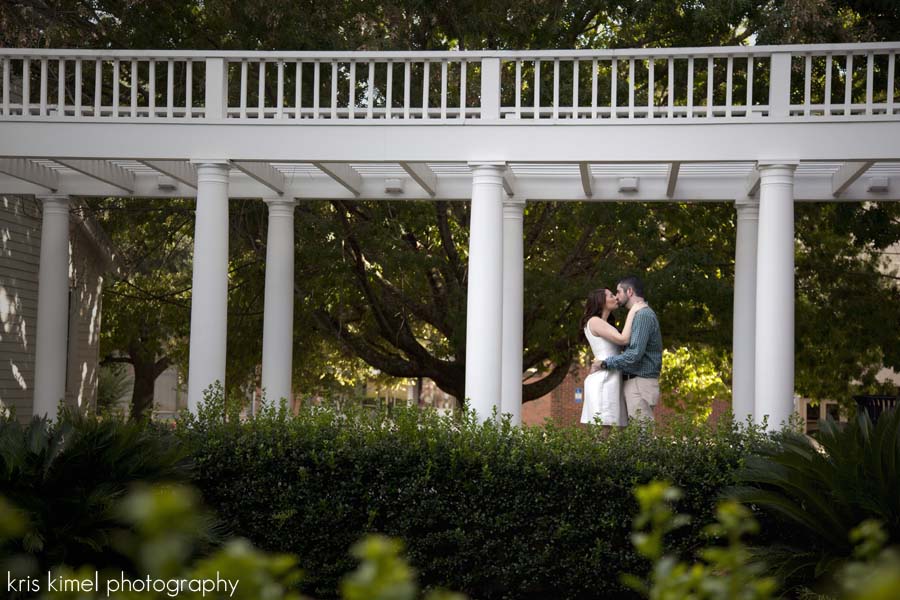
{"points": [[778, 125]]}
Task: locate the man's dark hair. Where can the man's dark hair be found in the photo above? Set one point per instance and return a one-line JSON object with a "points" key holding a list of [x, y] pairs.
{"points": [[635, 284]]}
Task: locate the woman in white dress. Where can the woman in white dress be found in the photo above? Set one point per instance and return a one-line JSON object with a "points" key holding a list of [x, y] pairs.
{"points": [[603, 389]]}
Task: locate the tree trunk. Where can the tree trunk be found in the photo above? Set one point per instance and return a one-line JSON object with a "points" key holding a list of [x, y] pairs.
{"points": [[142, 396]]}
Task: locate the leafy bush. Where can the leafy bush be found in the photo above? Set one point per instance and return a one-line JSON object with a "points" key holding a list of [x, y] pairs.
{"points": [[492, 510], [814, 495], [67, 476]]}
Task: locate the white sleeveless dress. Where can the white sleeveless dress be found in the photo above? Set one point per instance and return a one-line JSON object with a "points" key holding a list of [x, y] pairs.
{"points": [[603, 389]]}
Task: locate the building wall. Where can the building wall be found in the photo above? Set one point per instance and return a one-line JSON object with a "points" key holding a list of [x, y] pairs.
{"points": [[20, 249]]}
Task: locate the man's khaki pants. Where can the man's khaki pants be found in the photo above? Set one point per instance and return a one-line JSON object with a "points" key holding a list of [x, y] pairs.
{"points": [[641, 395]]}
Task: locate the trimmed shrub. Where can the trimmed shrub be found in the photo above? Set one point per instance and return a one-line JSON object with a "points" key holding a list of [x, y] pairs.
{"points": [[490, 510]]}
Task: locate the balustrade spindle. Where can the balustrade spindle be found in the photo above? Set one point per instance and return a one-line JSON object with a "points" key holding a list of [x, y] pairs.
{"points": [[729, 79], [537, 88], [43, 98], [170, 88], [890, 84], [807, 85], [134, 86], [189, 89], [848, 85], [749, 86], [78, 87], [298, 88], [261, 91], [555, 88], [26, 87], [6, 79], [389, 99], [98, 88], [651, 66], [594, 88], [243, 91], [690, 88], [443, 89], [406, 91], [709, 87], [60, 90], [334, 90], [671, 83], [870, 73], [575, 74], [828, 69], [279, 99], [151, 99], [613, 111], [351, 96], [426, 75], [370, 91], [462, 90], [317, 75], [518, 90], [630, 88]]}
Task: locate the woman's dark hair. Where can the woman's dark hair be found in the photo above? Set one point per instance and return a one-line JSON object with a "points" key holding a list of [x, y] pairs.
{"points": [[593, 307]]}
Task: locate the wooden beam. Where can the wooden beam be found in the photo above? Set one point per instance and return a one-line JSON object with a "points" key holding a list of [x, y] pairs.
{"points": [[509, 182], [423, 175], [587, 180], [344, 174], [847, 174], [180, 170], [753, 182], [262, 172], [672, 178], [26, 170], [102, 170]]}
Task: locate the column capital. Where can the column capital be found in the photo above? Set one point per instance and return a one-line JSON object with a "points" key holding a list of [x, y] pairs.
{"points": [[747, 207], [280, 207], [498, 164], [513, 208], [54, 203], [210, 161], [767, 164]]}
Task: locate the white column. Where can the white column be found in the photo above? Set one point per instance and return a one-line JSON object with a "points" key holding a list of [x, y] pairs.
{"points": [[774, 387], [744, 325], [53, 308], [513, 292], [209, 296], [278, 320], [485, 290]]}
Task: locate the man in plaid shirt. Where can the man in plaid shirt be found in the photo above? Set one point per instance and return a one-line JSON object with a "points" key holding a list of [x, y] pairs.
{"points": [[641, 360]]}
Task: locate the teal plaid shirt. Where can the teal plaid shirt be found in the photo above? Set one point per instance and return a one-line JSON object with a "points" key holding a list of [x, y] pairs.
{"points": [[643, 355]]}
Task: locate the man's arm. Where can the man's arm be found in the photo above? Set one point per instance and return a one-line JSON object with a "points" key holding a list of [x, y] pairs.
{"points": [[640, 335]]}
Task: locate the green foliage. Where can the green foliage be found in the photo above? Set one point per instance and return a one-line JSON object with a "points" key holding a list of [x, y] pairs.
{"points": [[113, 383], [813, 495], [692, 378], [67, 476], [725, 572], [491, 510]]}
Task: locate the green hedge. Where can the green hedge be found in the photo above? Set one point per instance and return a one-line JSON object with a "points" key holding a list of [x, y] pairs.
{"points": [[493, 511]]}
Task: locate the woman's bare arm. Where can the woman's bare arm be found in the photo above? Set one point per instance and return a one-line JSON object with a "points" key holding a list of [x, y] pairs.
{"points": [[603, 329]]}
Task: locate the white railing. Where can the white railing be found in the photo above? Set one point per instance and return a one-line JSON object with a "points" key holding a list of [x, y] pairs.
{"points": [[845, 81]]}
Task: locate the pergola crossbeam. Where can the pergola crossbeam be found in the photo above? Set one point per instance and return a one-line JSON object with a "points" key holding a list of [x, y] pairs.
{"points": [[847, 174], [509, 182], [344, 174], [672, 178], [30, 171], [422, 175], [179, 170], [102, 170], [262, 172], [587, 180], [752, 187]]}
